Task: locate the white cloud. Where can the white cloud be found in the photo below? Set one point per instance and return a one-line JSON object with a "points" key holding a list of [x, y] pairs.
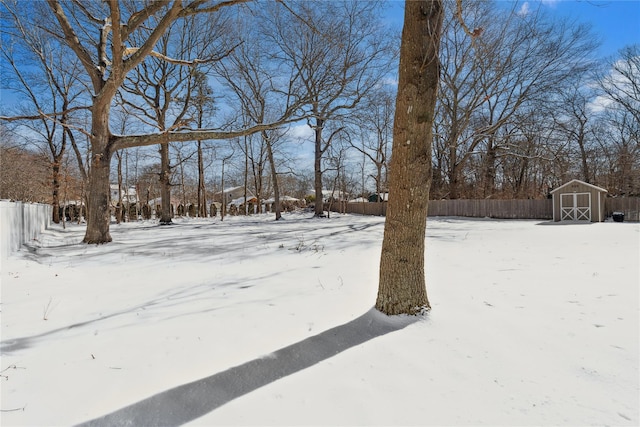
{"points": [[524, 9], [300, 132], [550, 3], [388, 81], [599, 104]]}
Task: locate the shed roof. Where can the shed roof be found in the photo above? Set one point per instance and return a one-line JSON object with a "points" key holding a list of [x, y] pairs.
{"points": [[577, 181]]}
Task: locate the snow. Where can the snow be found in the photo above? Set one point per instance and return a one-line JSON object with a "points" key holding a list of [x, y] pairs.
{"points": [[256, 322]]}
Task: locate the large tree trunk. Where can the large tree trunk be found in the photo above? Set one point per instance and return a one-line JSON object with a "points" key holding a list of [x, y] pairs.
{"points": [[274, 178], [453, 172], [120, 210], [55, 183], [489, 173], [317, 167], [98, 213], [202, 194], [402, 287], [98, 191], [165, 185], [586, 174]]}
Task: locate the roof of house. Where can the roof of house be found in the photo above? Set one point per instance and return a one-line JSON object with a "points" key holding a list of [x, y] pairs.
{"points": [[577, 181], [282, 199], [240, 200]]}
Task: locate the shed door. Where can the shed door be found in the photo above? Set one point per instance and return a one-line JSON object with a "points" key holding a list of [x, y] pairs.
{"points": [[575, 207]]}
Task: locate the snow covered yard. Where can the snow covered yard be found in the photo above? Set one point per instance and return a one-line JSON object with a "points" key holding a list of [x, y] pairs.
{"points": [[533, 323]]}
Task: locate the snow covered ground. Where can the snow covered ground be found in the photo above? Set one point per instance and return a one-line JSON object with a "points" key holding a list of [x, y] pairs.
{"points": [[255, 322]]}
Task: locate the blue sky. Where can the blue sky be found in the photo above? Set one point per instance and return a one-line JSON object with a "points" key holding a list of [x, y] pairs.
{"points": [[616, 22]]}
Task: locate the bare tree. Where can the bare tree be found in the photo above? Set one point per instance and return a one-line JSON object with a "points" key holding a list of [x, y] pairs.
{"points": [[165, 95], [376, 128], [618, 136], [573, 120], [339, 52], [54, 86], [264, 87], [530, 147], [513, 62], [402, 287], [203, 104], [619, 81], [110, 39], [618, 126], [23, 173]]}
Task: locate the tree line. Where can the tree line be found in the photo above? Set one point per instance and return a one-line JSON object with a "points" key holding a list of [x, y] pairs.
{"points": [[220, 88]]}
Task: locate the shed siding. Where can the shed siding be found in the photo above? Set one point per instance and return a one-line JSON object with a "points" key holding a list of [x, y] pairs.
{"points": [[580, 189]]}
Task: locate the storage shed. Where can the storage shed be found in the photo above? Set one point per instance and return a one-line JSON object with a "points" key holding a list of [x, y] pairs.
{"points": [[578, 201]]}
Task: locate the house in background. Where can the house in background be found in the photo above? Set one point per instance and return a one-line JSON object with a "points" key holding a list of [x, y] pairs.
{"points": [[287, 203], [578, 201], [228, 195], [128, 195], [382, 197]]}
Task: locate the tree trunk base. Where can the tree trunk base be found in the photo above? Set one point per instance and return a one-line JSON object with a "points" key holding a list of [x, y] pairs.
{"points": [[98, 241], [394, 310]]}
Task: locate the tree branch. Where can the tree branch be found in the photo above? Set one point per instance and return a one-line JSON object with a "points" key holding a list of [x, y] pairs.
{"points": [[476, 32], [41, 115], [192, 9], [74, 43], [129, 141]]}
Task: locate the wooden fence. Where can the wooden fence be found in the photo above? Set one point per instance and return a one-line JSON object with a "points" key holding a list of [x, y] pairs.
{"points": [[488, 208], [630, 206]]}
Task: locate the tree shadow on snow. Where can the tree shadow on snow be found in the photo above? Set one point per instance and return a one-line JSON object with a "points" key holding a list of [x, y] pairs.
{"points": [[190, 401]]}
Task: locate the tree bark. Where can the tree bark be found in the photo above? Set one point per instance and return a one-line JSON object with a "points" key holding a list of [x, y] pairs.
{"points": [[120, 210], [402, 287], [317, 167], [98, 212], [55, 183], [274, 178], [165, 185], [202, 193], [98, 191]]}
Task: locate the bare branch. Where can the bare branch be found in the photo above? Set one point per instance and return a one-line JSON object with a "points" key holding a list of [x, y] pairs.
{"points": [[74, 43], [139, 17], [476, 32], [41, 115], [129, 141], [132, 50], [193, 8]]}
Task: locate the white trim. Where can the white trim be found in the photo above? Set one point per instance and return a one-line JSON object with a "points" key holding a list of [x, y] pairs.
{"points": [[577, 181], [599, 209], [573, 212]]}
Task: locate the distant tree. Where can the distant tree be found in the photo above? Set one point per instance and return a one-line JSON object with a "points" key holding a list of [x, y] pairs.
{"points": [[263, 85], [618, 135], [619, 81], [203, 103], [50, 83], [531, 147], [573, 121], [376, 123], [166, 95], [514, 62], [402, 287], [24, 175], [339, 51], [110, 39]]}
